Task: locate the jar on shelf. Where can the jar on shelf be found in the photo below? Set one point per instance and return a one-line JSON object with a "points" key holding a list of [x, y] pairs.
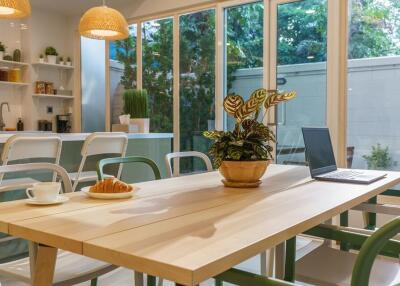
{"points": [[49, 88], [40, 87], [4, 73], [14, 75]]}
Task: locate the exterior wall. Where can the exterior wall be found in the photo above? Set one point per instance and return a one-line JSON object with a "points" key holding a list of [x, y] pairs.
{"points": [[373, 103]]}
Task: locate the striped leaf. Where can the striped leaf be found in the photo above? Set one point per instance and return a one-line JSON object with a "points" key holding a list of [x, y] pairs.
{"points": [[232, 103], [260, 95], [275, 97], [247, 109]]}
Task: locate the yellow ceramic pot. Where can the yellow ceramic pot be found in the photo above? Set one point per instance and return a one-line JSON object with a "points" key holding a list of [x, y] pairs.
{"points": [[243, 173]]}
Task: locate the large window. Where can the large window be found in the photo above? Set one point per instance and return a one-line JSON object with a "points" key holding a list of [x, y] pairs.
{"points": [[197, 82], [123, 71], [157, 72], [373, 136], [243, 51], [301, 66]]}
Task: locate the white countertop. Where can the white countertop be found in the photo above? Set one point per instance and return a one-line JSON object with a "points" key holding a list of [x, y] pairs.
{"points": [[82, 136]]}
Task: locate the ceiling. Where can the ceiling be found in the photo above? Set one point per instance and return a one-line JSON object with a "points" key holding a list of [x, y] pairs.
{"points": [[78, 7]]}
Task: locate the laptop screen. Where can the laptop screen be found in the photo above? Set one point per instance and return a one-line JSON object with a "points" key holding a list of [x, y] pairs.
{"points": [[319, 151]]}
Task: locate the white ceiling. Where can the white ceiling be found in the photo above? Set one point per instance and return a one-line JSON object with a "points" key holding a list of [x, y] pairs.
{"points": [[78, 7]]}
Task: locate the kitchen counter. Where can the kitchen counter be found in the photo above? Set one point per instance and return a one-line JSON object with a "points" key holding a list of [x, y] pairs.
{"points": [[69, 137]]}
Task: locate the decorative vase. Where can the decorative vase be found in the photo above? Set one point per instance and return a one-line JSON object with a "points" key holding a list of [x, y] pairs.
{"points": [[142, 123], [41, 60], [52, 59], [69, 63], [243, 174]]}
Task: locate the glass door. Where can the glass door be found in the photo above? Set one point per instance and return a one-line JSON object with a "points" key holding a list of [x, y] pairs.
{"points": [[298, 62]]}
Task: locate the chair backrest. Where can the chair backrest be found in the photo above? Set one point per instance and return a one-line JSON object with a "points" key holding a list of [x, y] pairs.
{"points": [[105, 143], [19, 147], [123, 160], [370, 250], [170, 156], [40, 166]]}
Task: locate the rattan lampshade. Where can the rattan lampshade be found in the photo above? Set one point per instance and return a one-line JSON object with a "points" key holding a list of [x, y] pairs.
{"points": [[11, 9], [103, 23]]}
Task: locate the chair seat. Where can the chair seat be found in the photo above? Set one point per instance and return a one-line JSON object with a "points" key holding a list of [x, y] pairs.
{"points": [[15, 184], [88, 176], [328, 266], [70, 269]]}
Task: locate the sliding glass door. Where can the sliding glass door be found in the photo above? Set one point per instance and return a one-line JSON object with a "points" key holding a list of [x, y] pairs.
{"points": [[298, 60]]}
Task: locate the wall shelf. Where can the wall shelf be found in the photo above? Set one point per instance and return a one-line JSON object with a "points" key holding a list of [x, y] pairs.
{"points": [[14, 84], [59, 96], [13, 64], [57, 66]]}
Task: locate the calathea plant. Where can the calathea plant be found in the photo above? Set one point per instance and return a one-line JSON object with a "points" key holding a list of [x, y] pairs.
{"points": [[251, 139]]}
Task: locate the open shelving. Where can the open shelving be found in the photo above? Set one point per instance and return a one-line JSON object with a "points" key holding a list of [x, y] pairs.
{"points": [[13, 84], [13, 64], [58, 66], [59, 96]]}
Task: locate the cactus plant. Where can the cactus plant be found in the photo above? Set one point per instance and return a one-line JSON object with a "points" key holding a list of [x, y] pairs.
{"points": [[136, 103], [17, 55]]}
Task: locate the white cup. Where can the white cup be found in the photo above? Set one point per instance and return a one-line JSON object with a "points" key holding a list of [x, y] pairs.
{"points": [[44, 192]]}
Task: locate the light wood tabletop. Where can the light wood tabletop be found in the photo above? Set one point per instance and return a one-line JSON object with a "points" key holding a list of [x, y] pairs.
{"points": [[190, 228]]}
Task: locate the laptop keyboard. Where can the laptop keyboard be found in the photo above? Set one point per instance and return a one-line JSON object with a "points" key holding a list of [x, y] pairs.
{"points": [[343, 174]]}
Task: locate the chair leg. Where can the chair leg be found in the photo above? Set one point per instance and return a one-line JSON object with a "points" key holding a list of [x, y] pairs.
{"points": [[290, 259], [139, 279], [93, 282], [218, 282], [151, 280], [160, 281]]}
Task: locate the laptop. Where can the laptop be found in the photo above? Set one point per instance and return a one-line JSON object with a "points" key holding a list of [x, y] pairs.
{"points": [[321, 160]]}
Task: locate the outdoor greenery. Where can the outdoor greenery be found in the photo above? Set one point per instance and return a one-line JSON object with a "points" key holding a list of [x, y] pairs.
{"points": [[379, 159], [302, 34], [251, 140]]}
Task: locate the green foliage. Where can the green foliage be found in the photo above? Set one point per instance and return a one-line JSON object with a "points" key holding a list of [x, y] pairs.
{"points": [[379, 159], [136, 103], [17, 55], [251, 140], [41, 56], [2, 47], [68, 59], [126, 55], [51, 51]]}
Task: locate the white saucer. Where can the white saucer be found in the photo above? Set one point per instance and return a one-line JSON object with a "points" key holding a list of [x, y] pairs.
{"points": [[109, 196], [60, 199]]}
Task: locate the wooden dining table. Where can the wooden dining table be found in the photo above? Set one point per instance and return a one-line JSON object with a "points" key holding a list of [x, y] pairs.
{"points": [[186, 229]]}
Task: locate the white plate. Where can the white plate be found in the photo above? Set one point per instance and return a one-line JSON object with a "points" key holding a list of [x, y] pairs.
{"points": [[109, 196], [60, 199]]}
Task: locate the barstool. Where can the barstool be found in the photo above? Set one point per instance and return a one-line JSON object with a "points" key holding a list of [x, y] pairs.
{"points": [[23, 147], [99, 143]]}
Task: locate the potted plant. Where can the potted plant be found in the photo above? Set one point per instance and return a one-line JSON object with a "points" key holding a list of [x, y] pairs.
{"points": [[51, 54], [243, 155], [41, 58], [61, 60], [69, 62], [2, 50], [136, 105]]}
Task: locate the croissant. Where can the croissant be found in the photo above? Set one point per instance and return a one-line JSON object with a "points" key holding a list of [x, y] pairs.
{"points": [[110, 185]]}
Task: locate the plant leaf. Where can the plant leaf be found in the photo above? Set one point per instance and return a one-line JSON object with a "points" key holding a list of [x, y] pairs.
{"points": [[247, 109], [275, 97], [259, 95], [232, 103]]}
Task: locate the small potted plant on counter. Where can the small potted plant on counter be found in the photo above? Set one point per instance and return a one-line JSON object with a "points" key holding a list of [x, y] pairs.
{"points": [[69, 62], [41, 58], [61, 60], [51, 54], [136, 105], [243, 155], [2, 50]]}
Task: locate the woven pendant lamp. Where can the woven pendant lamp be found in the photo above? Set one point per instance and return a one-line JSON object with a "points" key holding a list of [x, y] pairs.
{"points": [[103, 23], [12, 9]]}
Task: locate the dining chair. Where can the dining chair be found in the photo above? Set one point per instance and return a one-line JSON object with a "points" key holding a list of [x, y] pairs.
{"points": [[24, 147], [194, 154], [151, 280], [99, 143], [71, 268], [362, 272]]}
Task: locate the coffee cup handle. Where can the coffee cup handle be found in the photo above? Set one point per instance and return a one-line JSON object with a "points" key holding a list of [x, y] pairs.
{"points": [[28, 193]]}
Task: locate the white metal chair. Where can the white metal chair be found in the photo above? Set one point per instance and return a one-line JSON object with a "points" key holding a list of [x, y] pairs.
{"points": [[195, 154], [331, 266], [70, 268], [96, 144], [22, 147]]}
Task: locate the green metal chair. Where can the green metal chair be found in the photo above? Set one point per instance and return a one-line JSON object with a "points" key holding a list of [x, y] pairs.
{"points": [[124, 160], [379, 243], [151, 280]]}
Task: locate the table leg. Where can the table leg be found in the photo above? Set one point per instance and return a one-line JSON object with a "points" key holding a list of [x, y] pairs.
{"points": [[43, 262]]}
